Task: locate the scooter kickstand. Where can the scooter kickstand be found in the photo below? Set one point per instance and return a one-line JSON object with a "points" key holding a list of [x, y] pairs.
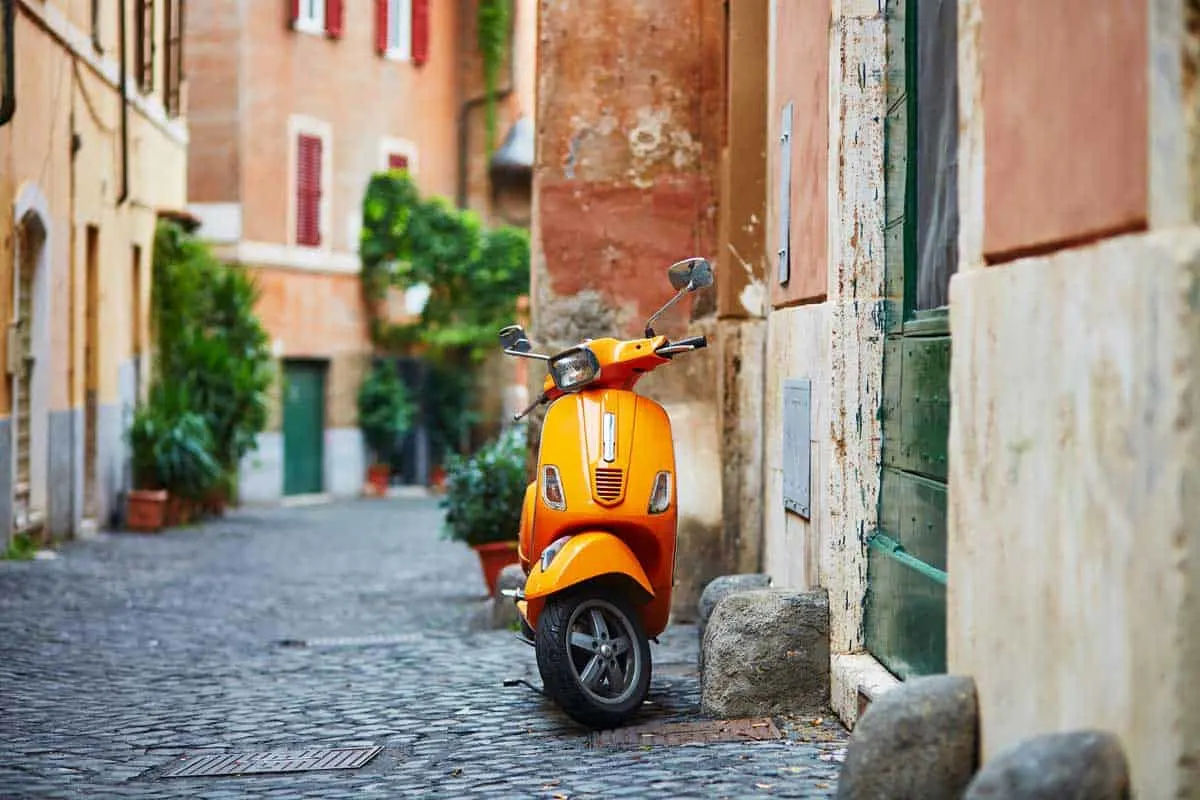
{"points": [[510, 682]]}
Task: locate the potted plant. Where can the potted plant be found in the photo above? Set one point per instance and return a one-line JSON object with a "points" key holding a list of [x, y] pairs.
{"points": [[483, 501], [384, 415], [146, 503], [187, 467]]}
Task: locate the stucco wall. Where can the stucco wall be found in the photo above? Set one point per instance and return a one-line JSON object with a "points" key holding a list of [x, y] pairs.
{"points": [[1072, 549], [62, 147]]}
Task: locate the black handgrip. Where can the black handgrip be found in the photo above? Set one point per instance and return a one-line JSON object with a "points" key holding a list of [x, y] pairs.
{"points": [[697, 342]]}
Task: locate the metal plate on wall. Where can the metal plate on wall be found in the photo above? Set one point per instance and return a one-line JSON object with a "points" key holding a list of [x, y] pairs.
{"points": [[785, 195], [797, 445]]}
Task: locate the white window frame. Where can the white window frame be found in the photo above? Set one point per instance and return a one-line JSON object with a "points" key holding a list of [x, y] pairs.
{"points": [[389, 146], [399, 30], [311, 18], [299, 124]]}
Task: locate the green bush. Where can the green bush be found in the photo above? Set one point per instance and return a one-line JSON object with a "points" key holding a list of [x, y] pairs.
{"points": [[173, 447], [484, 492], [210, 348], [384, 409]]}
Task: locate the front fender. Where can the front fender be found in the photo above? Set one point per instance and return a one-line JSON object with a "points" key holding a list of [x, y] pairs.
{"points": [[584, 557]]}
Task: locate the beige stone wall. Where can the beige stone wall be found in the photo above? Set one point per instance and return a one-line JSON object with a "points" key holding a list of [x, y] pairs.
{"points": [[62, 81], [1072, 535]]}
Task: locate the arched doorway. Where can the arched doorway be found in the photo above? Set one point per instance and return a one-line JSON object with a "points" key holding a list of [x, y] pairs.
{"points": [[28, 366]]}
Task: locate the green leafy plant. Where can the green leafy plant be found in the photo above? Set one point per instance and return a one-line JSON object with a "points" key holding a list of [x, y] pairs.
{"points": [[385, 411], [210, 344], [172, 446], [484, 492], [21, 547], [474, 276], [491, 39]]}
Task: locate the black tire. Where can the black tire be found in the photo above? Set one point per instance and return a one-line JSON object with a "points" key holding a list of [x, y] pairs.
{"points": [[604, 703]]}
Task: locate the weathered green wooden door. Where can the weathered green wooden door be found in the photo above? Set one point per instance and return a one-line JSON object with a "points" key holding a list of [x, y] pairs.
{"points": [[906, 567], [303, 427]]}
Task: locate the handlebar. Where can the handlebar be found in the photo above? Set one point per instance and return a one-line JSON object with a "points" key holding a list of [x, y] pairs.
{"points": [[686, 345]]}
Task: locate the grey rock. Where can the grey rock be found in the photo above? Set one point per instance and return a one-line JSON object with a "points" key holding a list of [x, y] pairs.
{"points": [[766, 651], [724, 586], [918, 741], [503, 609], [1080, 765]]}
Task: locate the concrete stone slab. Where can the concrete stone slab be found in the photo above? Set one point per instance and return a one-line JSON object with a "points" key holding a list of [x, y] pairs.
{"points": [[1077, 765], [917, 742], [766, 651]]}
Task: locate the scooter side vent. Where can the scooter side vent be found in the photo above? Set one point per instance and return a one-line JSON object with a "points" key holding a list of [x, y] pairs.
{"points": [[608, 482]]}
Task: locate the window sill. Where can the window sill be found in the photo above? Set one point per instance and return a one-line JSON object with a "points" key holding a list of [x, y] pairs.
{"points": [[311, 27], [396, 54]]}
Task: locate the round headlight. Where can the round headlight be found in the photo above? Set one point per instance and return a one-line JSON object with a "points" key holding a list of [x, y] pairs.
{"points": [[574, 369]]}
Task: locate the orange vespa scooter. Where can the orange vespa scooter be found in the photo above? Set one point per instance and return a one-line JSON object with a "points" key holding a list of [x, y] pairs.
{"points": [[598, 525]]}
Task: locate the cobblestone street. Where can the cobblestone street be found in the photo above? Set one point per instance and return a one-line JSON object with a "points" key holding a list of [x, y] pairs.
{"points": [[338, 625]]}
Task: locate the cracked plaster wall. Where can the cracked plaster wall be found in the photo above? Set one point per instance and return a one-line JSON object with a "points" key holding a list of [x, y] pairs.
{"points": [[629, 132]]}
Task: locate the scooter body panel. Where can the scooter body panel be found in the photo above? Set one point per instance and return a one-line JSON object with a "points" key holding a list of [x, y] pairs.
{"points": [[608, 447], [584, 557]]}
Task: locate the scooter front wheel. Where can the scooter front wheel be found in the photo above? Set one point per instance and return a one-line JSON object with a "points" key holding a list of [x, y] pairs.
{"points": [[593, 656]]}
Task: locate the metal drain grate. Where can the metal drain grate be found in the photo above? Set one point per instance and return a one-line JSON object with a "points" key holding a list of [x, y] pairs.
{"points": [[271, 762], [679, 733]]}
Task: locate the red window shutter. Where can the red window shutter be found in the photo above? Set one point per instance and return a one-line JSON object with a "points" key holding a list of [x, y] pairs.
{"points": [[397, 161], [334, 17], [420, 31], [381, 26], [308, 190], [293, 7]]}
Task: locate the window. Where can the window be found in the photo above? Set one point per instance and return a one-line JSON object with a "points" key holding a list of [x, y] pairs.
{"points": [[173, 57], [395, 153], [144, 44], [309, 15], [402, 29], [97, 40], [309, 153]]}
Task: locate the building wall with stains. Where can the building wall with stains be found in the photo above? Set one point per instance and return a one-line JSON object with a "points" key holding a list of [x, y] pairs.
{"points": [[827, 62], [629, 136], [259, 82], [1074, 556], [85, 236]]}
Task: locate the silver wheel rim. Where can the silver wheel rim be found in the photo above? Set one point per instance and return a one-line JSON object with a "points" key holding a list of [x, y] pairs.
{"points": [[604, 653]]}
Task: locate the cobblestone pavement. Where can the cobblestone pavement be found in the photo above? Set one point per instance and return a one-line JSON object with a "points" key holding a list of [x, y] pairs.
{"points": [[130, 651]]}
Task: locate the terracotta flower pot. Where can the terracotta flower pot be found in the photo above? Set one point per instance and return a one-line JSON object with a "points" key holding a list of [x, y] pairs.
{"points": [[494, 557], [145, 510], [379, 477], [178, 512]]}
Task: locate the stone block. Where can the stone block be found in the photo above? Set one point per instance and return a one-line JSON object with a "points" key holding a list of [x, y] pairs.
{"points": [[919, 741], [504, 610], [721, 587], [766, 651], [1079, 765]]}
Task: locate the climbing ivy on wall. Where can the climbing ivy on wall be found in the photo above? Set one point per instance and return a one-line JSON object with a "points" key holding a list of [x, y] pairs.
{"points": [[492, 27], [474, 274]]}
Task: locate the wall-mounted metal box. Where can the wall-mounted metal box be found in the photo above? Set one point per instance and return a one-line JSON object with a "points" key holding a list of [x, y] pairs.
{"points": [[797, 445]]}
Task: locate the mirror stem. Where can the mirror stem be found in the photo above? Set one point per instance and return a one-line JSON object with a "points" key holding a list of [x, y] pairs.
{"points": [[521, 354], [661, 311]]}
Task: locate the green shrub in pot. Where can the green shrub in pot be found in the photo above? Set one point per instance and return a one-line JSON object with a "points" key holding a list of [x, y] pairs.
{"points": [[385, 411], [172, 447], [484, 492]]}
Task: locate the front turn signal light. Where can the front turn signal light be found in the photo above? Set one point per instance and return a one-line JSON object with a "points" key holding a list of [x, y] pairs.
{"points": [[552, 489], [660, 495]]}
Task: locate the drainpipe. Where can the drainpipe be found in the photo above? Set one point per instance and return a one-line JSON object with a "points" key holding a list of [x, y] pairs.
{"points": [[464, 115], [8, 102], [124, 110]]}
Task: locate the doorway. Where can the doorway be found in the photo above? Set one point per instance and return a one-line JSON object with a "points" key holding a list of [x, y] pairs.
{"points": [[27, 365], [304, 426], [906, 562], [91, 368]]}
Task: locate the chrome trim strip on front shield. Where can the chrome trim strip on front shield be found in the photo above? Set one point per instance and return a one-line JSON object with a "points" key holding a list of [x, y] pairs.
{"points": [[610, 437]]}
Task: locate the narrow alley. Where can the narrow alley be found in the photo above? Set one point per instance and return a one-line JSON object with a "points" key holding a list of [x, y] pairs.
{"points": [[333, 626]]}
